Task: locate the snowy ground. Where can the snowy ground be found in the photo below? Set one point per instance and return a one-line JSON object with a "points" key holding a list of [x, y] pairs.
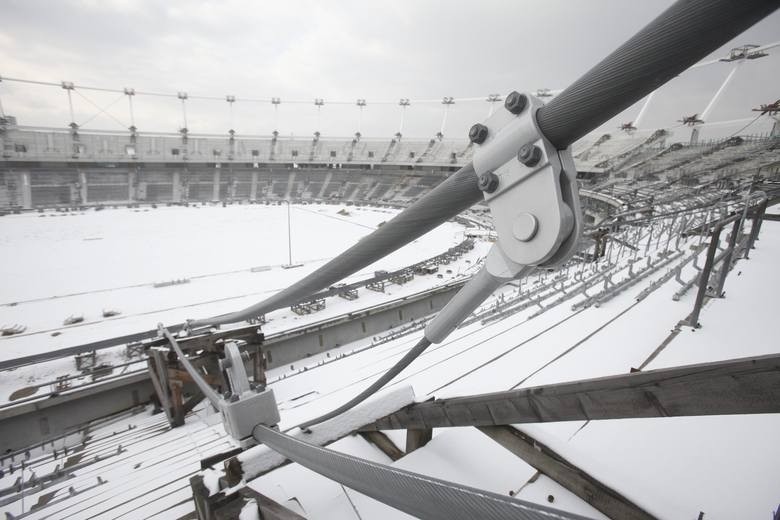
{"points": [[674, 468], [219, 270], [57, 265]]}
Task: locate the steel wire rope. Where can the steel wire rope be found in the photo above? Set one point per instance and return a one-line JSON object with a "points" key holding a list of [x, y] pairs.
{"points": [[437, 363], [102, 111], [413, 354], [393, 371], [747, 125], [499, 356], [444, 344], [413, 493], [85, 98]]}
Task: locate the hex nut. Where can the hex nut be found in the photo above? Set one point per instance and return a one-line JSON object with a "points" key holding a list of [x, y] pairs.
{"points": [[529, 154], [478, 133], [488, 182], [516, 102]]}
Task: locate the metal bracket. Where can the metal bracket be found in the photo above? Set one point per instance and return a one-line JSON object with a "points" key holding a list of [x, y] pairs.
{"points": [[531, 189], [247, 405], [535, 204]]}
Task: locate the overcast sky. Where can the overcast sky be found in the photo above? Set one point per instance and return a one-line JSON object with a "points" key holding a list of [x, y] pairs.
{"points": [[338, 51]]}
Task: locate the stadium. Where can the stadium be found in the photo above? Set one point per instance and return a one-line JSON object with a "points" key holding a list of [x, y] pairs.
{"points": [[544, 314]]}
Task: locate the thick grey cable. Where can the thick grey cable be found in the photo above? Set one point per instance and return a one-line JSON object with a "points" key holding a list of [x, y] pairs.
{"points": [[196, 377], [455, 194], [419, 495], [679, 37], [396, 369]]}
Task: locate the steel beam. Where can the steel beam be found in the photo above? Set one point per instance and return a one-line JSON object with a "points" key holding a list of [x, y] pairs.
{"points": [[384, 444], [740, 386], [574, 479], [417, 438], [704, 279], [224, 506]]}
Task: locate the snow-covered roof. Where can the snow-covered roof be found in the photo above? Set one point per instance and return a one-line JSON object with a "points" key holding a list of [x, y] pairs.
{"points": [[671, 467]]}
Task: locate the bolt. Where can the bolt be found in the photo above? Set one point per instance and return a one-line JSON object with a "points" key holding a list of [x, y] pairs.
{"points": [[478, 133], [524, 227], [488, 182], [529, 154], [515, 102], [233, 398]]}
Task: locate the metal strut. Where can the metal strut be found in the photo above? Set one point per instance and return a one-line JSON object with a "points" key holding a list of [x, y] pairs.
{"points": [[245, 405]]}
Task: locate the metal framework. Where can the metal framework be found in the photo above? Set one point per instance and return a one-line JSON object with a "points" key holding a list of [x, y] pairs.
{"points": [[742, 386]]}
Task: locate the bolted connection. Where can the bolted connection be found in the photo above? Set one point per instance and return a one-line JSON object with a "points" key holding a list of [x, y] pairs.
{"points": [[529, 154], [515, 102], [488, 182], [478, 133]]}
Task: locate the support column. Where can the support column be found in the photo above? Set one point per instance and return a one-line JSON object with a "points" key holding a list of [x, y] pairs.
{"points": [[215, 193], [417, 438], [132, 183], [176, 186], [169, 392], [253, 187], [694, 136], [726, 263], [25, 196], [156, 374], [83, 190]]}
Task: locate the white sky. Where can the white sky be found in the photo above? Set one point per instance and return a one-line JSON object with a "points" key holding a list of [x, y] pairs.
{"points": [[380, 51]]}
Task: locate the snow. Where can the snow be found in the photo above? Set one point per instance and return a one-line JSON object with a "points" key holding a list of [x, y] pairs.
{"points": [[141, 247], [249, 511], [211, 480], [220, 273], [459, 455], [667, 466], [672, 467]]}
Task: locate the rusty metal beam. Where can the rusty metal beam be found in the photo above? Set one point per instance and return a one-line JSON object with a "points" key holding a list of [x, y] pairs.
{"points": [[574, 479], [159, 376], [740, 386], [224, 506]]}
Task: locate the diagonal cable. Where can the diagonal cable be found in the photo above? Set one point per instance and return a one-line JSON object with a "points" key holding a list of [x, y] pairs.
{"points": [[101, 110]]}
